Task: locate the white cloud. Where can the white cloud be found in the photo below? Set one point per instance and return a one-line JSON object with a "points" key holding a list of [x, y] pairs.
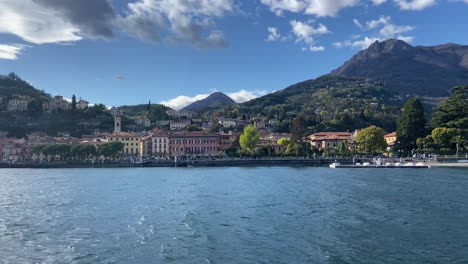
{"points": [[378, 2], [383, 20], [279, 6], [187, 21], [65, 21], [323, 8], [390, 30], [320, 8], [383, 29], [415, 4], [273, 35], [317, 48], [244, 95], [35, 23], [357, 23], [305, 33], [182, 101], [11, 51], [239, 97]]}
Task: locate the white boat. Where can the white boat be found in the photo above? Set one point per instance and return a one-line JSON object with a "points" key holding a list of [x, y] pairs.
{"points": [[334, 165]]}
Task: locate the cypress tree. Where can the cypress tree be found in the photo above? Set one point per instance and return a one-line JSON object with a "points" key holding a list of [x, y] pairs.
{"points": [[410, 126]]}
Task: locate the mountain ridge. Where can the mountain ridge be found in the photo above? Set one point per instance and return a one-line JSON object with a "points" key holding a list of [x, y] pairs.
{"points": [[417, 70], [214, 100]]}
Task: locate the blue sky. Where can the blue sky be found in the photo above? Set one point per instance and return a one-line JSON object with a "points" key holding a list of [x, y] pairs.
{"points": [[176, 51]]}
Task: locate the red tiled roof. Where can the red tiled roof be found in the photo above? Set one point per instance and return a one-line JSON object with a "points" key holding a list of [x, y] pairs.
{"points": [[320, 136]]}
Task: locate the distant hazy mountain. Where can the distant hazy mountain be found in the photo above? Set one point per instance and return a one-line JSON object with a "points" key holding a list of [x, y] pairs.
{"points": [[425, 71], [215, 100]]}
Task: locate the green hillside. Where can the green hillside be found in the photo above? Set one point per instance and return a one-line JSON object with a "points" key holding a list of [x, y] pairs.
{"points": [[328, 103], [12, 85]]}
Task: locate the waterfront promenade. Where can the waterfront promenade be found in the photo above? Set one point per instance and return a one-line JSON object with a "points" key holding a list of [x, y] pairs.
{"points": [[219, 163]]}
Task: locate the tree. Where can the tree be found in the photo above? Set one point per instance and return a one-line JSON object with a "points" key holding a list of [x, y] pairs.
{"points": [[158, 112], [425, 144], [342, 147], [73, 103], [443, 136], [452, 112], [116, 147], [148, 108], [298, 128], [371, 140], [410, 126], [192, 128], [35, 108], [284, 143], [249, 139]]}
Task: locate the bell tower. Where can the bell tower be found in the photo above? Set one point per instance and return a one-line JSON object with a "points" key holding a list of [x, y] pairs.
{"points": [[117, 124]]}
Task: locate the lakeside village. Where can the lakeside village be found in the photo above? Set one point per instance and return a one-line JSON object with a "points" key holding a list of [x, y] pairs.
{"points": [[187, 136]]}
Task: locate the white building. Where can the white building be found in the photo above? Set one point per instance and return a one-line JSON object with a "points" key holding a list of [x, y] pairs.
{"points": [[227, 123], [143, 121], [180, 114], [161, 145], [162, 123], [17, 104], [259, 125], [179, 124], [82, 104]]}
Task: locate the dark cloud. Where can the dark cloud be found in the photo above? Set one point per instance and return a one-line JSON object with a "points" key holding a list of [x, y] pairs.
{"points": [[95, 18]]}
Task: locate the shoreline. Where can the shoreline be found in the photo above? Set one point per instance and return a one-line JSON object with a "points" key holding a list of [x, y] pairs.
{"points": [[206, 163], [180, 163]]}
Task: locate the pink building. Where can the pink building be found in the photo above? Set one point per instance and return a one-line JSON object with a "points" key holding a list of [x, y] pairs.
{"points": [[193, 144]]}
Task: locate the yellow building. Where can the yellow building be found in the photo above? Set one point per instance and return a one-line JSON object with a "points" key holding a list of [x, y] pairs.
{"points": [[391, 139], [132, 143]]}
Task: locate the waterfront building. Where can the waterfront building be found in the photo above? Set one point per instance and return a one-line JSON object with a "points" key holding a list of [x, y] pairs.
{"points": [[12, 149], [391, 139], [132, 143], [226, 140], [160, 144], [322, 140], [146, 148], [194, 144]]}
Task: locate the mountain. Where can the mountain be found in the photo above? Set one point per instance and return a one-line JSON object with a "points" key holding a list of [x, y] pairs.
{"points": [[426, 71], [213, 101], [330, 102]]}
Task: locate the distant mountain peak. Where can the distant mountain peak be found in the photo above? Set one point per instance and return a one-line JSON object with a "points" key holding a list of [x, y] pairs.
{"points": [[214, 100], [420, 70], [389, 46]]}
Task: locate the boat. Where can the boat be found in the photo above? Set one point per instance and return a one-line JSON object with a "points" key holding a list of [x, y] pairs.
{"points": [[387, 165]]}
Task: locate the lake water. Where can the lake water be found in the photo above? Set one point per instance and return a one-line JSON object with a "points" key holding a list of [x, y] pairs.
{"points": [[234, 215]]}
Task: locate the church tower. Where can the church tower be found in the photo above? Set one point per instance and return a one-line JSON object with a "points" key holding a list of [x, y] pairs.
{"points": [[117, 124]]}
